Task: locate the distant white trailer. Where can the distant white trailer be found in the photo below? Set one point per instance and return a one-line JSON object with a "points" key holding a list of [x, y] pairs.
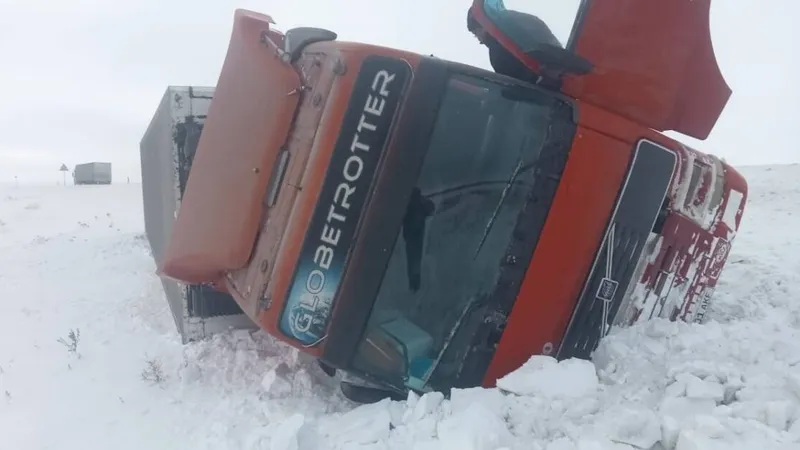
{"points": [[93, 173]]}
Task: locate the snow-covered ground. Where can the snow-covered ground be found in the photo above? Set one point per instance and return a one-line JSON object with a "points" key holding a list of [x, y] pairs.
{"points": [[75, 258]]}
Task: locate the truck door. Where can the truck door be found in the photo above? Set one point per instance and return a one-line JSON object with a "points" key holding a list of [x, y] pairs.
{"points": [[651, 61]]}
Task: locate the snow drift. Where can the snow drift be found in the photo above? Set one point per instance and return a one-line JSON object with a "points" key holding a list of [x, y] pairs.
{"points": [[74, 259]]}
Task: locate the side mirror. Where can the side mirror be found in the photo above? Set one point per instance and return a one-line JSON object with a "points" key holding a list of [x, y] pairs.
{"points": [[296, 39]]}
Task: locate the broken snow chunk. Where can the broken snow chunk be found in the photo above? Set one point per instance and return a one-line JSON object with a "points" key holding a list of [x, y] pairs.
{"points": [[284, 435], [190, 372], [398, 410], [637, 428], [704, 389], [578, 408], [670, 431], [676, 389], [779, 414], [684, 409], [474, 428], [363, 425], [492, 399], [545, 376], [412, 399], [794, 430], [711, 426], [426, 405], [661, 328], [707, 433], [793, 383], [431, 444], [601, 444], [301, 382], [561, 444], [691, 440], [275, 382], [565, 443]]}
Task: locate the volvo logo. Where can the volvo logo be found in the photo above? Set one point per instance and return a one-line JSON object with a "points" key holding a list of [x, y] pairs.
{"points": [[608, 286]]}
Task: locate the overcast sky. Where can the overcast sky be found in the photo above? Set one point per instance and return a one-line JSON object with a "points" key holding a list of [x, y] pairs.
{"points": [[82, 78]]}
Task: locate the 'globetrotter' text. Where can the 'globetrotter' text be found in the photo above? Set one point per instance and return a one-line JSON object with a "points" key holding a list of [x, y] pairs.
{"points": [[339, 210], [365, 130]]}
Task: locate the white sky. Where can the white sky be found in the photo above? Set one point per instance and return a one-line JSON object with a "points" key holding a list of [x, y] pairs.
{"points": [[82, 78]]}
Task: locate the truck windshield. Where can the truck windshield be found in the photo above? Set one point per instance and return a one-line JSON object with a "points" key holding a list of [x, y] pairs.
{"points": [[484, 157]]}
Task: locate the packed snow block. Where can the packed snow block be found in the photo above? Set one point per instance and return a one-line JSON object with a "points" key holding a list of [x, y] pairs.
{"points": [[167, 149], [92, 173]]}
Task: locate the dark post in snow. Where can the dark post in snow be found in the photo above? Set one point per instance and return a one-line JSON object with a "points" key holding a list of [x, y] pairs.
{"points": [[64, 169]]}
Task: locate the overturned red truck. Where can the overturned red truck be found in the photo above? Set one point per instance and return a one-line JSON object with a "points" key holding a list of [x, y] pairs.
{"points": [[420, 224]]}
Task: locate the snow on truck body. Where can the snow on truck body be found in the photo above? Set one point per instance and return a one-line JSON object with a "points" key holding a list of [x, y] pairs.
{"points": [[678, 273], [422, 224]]}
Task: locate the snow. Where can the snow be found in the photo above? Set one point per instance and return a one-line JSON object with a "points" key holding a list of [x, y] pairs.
{"points": [[544, 376], [75, 258], [732, 208]]}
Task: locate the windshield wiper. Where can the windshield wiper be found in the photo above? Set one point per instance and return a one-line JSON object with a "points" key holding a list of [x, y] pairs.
{"points": [[502, 200], [417, 212], [471, 305]]}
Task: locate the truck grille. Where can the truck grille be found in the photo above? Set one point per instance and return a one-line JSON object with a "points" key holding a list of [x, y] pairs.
{"points": [[635, 214]]}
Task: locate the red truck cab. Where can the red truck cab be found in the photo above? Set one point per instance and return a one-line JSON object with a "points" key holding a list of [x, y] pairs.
{"points": [[421, 224]]}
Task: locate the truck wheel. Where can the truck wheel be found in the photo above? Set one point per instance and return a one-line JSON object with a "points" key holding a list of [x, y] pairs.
{"points": [[368, 394]]}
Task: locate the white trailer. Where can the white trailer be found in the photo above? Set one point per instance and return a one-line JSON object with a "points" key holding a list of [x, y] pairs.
{"points": [[92, 173], [167, 149]]}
